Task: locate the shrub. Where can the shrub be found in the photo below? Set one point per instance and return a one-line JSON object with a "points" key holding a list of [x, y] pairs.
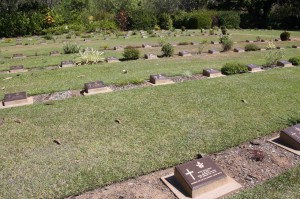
{"points": [[167, 50], [199, 19], [70, 48], [142, 20], [227, 42], [251, 47], [131, 53], [273, 54], [211, 31], [224, 30], [90, 56], [68, 36], [284, 36], [165, 21], [234, 68], [229, 19], [295, 61], [183, 28]]}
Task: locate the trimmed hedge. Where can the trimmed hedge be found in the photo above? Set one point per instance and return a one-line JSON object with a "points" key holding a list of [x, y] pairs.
{"points": [[234, 68], [142, 20], [165, 21]]}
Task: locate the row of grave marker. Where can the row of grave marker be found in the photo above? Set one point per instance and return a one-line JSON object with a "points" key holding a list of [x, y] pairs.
{"points": [[20, 98]]}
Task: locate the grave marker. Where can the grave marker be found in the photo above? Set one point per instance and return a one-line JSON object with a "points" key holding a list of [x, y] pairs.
{"points": [[213, 51], [284, 63], [118, 48], [212, 73], [201, 178], [249, 41], [294, 46], [16, 99], [95, 87], [18, 56], [160, 79], [54, 53], [150, 56], [291, 136], [215, 42], [279, 47], [17, 69], [239, 50], [112, 60], [184, 54], [146, 46], [254, 68], [65, 64]]}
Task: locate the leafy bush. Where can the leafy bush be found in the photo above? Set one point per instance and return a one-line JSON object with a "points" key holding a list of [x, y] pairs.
{"points": [[211, 31], [131, 53], [199, 19], [234, 68], [165, 21], [70, 48], [142, 20], [167, 50], [183, 28], [227, 42], [284, 36], [229, 19], [295, 61], [224, 30], [90, 56], [251, 47]]}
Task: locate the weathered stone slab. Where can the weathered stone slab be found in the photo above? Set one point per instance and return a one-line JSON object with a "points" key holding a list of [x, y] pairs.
{"points": [[291, 136], [249, 41], [54, 53], [146, 46], [215, 42], [18, 56], [95, 88], [284, 63]]}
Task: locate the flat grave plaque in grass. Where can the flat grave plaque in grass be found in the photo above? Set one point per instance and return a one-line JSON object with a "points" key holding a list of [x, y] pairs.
{"points": [[185, 54], [212, 73], [194, 43], [201, 178], [254, 68], [262, 49], [16, 99], [146, 46], [239, 50], [295, 46], [150, 56], [160, 79], [112, 60], [212, 51], [249, 41], [279, 47], [95, 87], [65, 64], [54, 53], [18, 56], [17, 69], [144, 37], [284, 63], [289, 139], [43, 43]]}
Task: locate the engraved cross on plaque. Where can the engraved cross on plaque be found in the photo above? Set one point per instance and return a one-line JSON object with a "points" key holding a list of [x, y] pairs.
{"points": [[190, 173]]}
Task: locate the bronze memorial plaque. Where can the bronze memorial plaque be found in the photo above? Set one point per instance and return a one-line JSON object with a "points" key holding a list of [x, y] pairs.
{"points": [[15, 96], [291, 136], [21, 67], [212, 72], [196, 174], [159, 79], [93, 86]]}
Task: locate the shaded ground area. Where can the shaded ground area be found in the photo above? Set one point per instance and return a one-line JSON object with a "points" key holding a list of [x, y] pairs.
{"points": [[250, 164]]}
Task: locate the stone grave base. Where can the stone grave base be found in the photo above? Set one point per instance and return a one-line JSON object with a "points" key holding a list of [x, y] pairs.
{"points": [[162, 82], [215, 75], [17, 103], [255, 70], [97, 91], [279, 143], [210, 191], [18, 71]]}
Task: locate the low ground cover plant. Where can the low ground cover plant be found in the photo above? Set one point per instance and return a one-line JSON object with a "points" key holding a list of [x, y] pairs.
{"points": [[90, 56], [251, 47], [273, 55], [234, 68], [295, 61], [70, 48]]}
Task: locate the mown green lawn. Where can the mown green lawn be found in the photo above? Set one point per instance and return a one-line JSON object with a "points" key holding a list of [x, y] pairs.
{"points": [[286, 186], [160, 127]]}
